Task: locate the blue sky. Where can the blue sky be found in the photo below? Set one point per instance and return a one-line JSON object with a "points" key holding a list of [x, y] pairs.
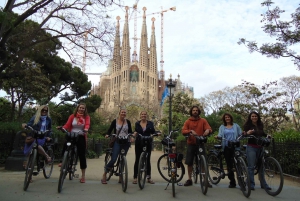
{"points": [[200, 42]]}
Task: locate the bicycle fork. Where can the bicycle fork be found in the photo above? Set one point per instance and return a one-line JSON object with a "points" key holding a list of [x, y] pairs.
{"points": [[172, 171]]}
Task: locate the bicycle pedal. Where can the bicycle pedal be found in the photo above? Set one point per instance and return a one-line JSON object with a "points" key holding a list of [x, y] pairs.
{"points": [[35, 173]]}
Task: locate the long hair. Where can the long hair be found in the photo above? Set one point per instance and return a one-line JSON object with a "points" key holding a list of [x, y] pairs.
{"points": [[191, 110], [143, 111], [85, 110], [38, 114], [249, 121], [231, 119]]}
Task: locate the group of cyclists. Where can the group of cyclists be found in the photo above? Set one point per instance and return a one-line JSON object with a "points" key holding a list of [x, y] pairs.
{"points": [[195, 125]]}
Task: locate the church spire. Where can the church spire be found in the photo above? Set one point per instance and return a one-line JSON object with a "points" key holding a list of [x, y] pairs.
{"points": [[144, 44], [153, 56], [117, 45], [125, 43]]}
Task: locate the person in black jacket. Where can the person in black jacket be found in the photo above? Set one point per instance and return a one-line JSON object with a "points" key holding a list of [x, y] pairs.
{"points": [[254, 126], [121, 127], [145, 128]]}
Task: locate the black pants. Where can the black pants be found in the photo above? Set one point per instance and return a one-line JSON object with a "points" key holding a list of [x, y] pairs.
{"points": [[138, 151], [81, 151], [228, 154]]}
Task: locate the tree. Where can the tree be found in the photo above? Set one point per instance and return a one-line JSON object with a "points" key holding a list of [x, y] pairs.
{"points": [[291, 85], [60, 19], [287, 34]]}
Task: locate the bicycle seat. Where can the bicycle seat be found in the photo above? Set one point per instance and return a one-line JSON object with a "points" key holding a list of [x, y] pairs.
{"points": [[217, 146], [168, 142], [200, 140]]}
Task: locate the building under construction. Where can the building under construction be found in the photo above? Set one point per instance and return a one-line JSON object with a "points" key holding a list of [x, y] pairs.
{"points": [[134, 81]]}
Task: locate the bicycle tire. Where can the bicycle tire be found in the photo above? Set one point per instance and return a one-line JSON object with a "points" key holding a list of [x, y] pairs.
{"points": [[203, 174], [164, 169], [214, 169], [273, 175], [243, 178], [106, 160], [124, 173], [142, 170], [73, 163], [48, 167], [63, 171], [29, 169], [195, 171]]}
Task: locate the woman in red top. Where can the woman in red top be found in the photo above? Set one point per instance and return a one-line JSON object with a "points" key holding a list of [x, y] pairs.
{"points": [[80, 121]]}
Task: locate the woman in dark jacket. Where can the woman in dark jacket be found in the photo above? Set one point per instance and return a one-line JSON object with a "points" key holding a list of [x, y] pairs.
{"points": [[254, 126], [145, 128]]}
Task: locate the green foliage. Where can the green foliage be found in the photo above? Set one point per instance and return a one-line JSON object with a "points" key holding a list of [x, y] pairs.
{"points": [[286, 134], [90, 154]]}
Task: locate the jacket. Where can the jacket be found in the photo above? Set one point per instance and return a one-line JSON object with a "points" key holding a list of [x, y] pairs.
{"points": [[237, 132]]}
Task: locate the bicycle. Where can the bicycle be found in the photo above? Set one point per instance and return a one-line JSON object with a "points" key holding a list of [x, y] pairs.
{"points": [[142, 166], [170, 165], [200, 164], [70, 157], [215, 163], [120, 167], [34, 157], [272, 170]]}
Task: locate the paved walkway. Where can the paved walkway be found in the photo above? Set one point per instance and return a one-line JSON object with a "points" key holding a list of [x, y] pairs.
{"points": [[11, 184]]}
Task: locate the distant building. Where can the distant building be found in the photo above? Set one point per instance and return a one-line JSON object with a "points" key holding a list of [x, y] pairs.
{"points": [[128, 81]]}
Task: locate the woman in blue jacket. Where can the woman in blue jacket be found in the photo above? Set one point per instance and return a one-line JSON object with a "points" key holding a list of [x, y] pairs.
{"points": [[229, 131]]}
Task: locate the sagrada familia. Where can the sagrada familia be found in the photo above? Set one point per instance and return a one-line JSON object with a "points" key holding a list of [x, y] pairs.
{"points": [[131, 82]]}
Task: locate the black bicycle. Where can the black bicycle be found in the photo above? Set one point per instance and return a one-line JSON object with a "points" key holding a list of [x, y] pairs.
{"points": [[200, 165], [170, 165], [120, 167], [40, 161], [216, 169], [70, 157], [272, 170], [142, 166]]}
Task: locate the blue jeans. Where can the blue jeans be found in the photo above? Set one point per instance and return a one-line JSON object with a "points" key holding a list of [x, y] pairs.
{"points": [[115, 153], [252, 155]]}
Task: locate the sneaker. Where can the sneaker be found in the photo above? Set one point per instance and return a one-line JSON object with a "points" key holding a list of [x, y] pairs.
{"points": [[209, 185], [231, 186], [268, 187], [188, 183]]}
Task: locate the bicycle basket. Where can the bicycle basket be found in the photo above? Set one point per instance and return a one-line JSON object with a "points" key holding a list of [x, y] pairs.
{"points": [[167, 142], [233, 144], [122, 140], [200, 140], [265, 142]]}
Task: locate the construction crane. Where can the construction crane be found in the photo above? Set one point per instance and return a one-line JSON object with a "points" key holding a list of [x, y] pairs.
{"points": [[85, 35]]}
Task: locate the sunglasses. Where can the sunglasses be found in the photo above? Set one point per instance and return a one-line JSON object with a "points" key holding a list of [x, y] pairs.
{"points": [[44, 110]]}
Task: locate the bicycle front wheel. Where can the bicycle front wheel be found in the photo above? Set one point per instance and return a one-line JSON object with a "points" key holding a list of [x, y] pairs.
{"points": [[29, 169], [142, 170], [48, 166], [73, 163], [124, 173], [243, 176], [273, 175], [164, 168], [214, 169], [106, 160], [203, 172], [63, 171]]}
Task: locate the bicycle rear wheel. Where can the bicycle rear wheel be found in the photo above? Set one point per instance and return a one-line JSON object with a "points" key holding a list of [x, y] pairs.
{"points": [[124, 173], [107, 159], [142, 170], [73, 163], [164, 168], [273, 175], [29, 169], [203, 172], [243, 176], [63, 171], [214, 169], [48, 166], [195, 171]]}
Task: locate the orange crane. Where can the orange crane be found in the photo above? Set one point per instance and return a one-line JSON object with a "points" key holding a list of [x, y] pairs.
{"points": [[134, 54]]}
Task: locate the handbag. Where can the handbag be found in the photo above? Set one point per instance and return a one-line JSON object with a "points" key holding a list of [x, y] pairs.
{"points": [[113, 139]]}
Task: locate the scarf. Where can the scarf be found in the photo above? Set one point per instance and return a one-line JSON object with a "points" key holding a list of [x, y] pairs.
{"points": [[43, 125], [80, 119]]}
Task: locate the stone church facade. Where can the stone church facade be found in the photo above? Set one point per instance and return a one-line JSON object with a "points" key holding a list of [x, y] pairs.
{"points": [[132, 82]]}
